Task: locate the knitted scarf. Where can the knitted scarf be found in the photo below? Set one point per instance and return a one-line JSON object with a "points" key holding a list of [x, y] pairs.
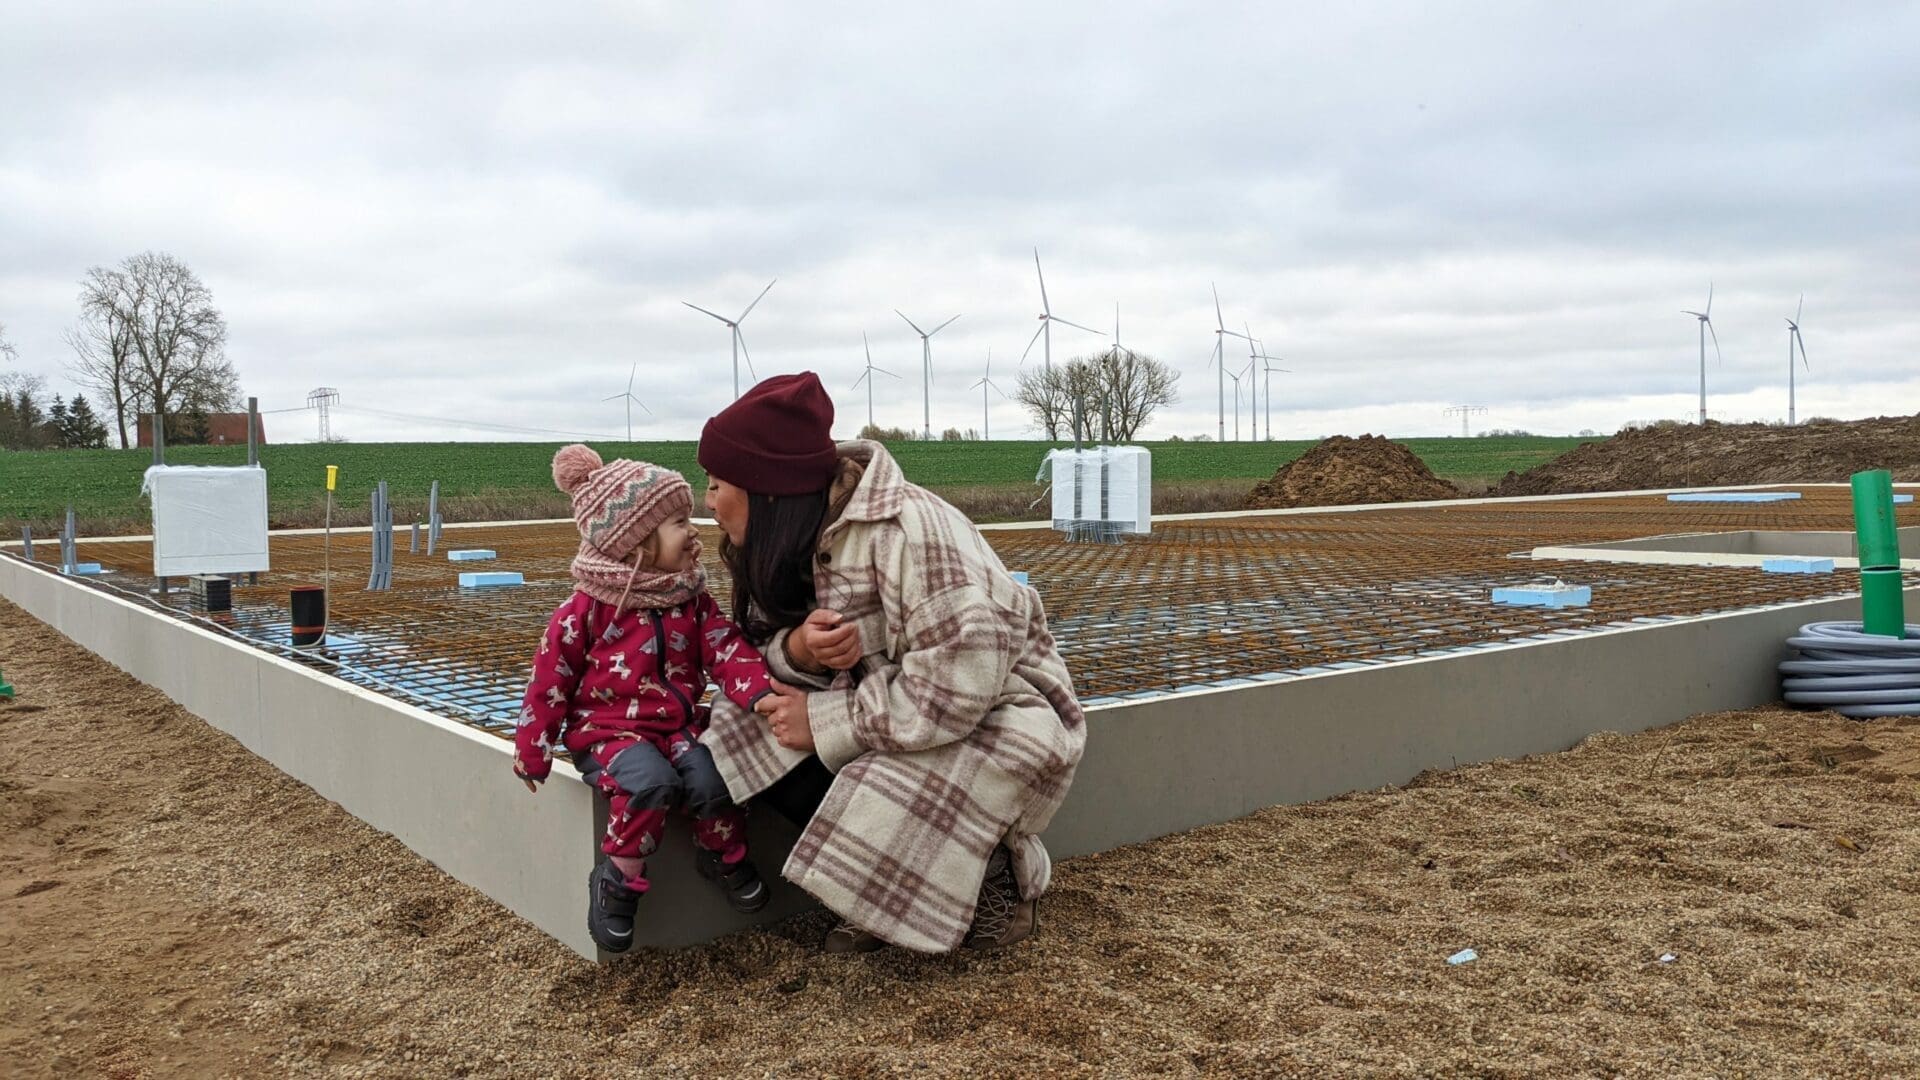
{"points": [[630, 588]]}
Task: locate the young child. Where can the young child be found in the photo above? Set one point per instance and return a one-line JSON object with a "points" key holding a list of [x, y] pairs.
{"points": [[617, 678]]}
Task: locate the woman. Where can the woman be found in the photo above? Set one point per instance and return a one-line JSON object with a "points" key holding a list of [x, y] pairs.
{"points": [[924, 728]]}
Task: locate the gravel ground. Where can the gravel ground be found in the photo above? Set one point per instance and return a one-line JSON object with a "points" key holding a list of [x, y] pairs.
{"points": [[169, 905]]}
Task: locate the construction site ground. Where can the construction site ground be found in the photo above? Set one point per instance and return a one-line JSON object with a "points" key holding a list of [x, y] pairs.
{"points": [[170, 906], [1201, 602]]}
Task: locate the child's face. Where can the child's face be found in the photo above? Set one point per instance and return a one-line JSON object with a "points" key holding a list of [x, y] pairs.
{"points": [[677, 545]]}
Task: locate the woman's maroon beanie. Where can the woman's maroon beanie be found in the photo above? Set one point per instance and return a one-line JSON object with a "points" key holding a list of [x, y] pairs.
{"points": [[776, 440]]}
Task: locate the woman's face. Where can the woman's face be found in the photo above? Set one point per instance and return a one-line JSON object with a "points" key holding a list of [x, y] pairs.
{"points": [[728, 505]]}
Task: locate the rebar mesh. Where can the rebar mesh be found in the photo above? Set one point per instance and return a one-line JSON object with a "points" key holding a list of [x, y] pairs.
{"points": [[1208, 602]]}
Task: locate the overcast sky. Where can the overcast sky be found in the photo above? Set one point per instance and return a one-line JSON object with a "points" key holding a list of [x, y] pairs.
{"points": [[469, 211]]}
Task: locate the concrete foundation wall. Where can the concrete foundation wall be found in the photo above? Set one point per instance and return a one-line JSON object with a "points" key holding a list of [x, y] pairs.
{"points": [[1151, 768], [1168, 764]]}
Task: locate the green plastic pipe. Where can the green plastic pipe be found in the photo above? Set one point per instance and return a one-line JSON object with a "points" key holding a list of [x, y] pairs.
{"points": [[1882, 605], [1873, 521]]}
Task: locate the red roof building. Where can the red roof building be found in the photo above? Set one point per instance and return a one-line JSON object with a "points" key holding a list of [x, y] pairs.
{"points": [[222, 429]]}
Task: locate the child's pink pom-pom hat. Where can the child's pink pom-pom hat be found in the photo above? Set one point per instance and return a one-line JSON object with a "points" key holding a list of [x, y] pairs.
{"points": [[619, 503]]}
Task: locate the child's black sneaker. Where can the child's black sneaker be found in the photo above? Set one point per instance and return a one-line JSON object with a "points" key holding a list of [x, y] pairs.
{"points": [[746, 893], [610, 908]]}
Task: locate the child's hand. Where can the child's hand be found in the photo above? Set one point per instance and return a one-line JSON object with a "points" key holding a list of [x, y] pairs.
{"points": [[825, 640], [521, 772]]}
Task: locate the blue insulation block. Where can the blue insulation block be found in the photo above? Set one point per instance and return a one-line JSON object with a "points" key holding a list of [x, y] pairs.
{"points": [[1018, 575], [1797, 565], [1734, 496], [1553, 596], [495, 577], [471, 555], [87, 569], [1903, 498]]}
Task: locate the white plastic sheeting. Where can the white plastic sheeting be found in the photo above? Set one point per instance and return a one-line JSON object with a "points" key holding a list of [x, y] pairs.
{"points": [[207, 519], [1103, 483]]}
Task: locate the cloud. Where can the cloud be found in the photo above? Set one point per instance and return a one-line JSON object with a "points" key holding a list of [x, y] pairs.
{"points": [[489, 214]]}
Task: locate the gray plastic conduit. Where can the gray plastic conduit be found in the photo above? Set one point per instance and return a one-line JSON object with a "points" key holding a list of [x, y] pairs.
{"points": [[1854, 673]]}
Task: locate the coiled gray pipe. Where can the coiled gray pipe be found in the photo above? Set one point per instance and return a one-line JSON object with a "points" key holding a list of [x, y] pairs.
{"points": [[1854, 673]]}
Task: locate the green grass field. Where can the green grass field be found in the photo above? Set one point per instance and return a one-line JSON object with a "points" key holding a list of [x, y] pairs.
{"points": [[482, 481]]}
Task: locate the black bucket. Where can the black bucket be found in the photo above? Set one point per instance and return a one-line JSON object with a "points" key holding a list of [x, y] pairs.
{"points": [[309, 614]]}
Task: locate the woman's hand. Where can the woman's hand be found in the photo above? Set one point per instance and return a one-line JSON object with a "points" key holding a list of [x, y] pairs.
{"points": [[824, 642], [521, 772], [786, 713]]}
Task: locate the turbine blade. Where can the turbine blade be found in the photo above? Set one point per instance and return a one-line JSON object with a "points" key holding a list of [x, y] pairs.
{"points": [[1797, 336], [745, 354], [613, 397], [756, 301], [643, 406], [864, 343], [884, 371], [1709, 299], [1716, 341], [1233, 333], [858, 381], [910, 322], [1031, 340], [1043, 281], [941, 327], [1075, 325], [1798, 311], [1217, 317], [631, 374], [704, 311]]}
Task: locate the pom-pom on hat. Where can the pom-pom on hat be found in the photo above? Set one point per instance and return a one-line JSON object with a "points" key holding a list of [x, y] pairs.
{"points": [[618, 504], [776, 440]]}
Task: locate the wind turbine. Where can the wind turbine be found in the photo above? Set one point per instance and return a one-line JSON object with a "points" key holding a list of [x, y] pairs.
{"points": [[867, 377], [986, 432], [1706, 327], [1236, 376], [1267, 362], [1253, 389], [926, 368], [1047, 318], [1219, 359], [1793, 336], [739, 342], [631, 401]]}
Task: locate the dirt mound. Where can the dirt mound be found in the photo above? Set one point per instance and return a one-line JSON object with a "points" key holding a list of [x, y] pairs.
{"points": [[1342, 471], [1714, 454]]}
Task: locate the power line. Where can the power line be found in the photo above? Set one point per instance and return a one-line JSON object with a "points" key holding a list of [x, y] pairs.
{"points": [[479, 424]]}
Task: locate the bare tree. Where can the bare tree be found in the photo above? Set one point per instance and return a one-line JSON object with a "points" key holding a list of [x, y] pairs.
{"points": [[1132, 387], [6, 347], [1106, 398], [177, 336], [1043, 393], [104, 357]]}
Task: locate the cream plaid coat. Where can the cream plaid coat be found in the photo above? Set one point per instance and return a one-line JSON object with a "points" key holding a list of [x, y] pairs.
{"points": [[957, 731]]}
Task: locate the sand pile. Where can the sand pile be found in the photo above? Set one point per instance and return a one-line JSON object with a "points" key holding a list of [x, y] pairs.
{"points": [[1343, 471], [1692, 455]]}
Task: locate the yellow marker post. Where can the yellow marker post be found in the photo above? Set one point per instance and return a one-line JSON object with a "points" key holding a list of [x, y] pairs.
{"points": [[326, 557]]}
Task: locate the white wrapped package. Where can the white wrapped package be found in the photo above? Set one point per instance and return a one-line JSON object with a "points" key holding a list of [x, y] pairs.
{"points": [[207, 520], [1130, 488], [1111, 483]]}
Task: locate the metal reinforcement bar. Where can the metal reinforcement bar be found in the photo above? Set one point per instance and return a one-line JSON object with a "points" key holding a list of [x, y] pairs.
{"points": [[1200, 603]]}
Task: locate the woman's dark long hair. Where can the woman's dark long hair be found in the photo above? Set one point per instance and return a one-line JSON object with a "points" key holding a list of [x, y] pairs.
{"points": [[773, 571]]}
